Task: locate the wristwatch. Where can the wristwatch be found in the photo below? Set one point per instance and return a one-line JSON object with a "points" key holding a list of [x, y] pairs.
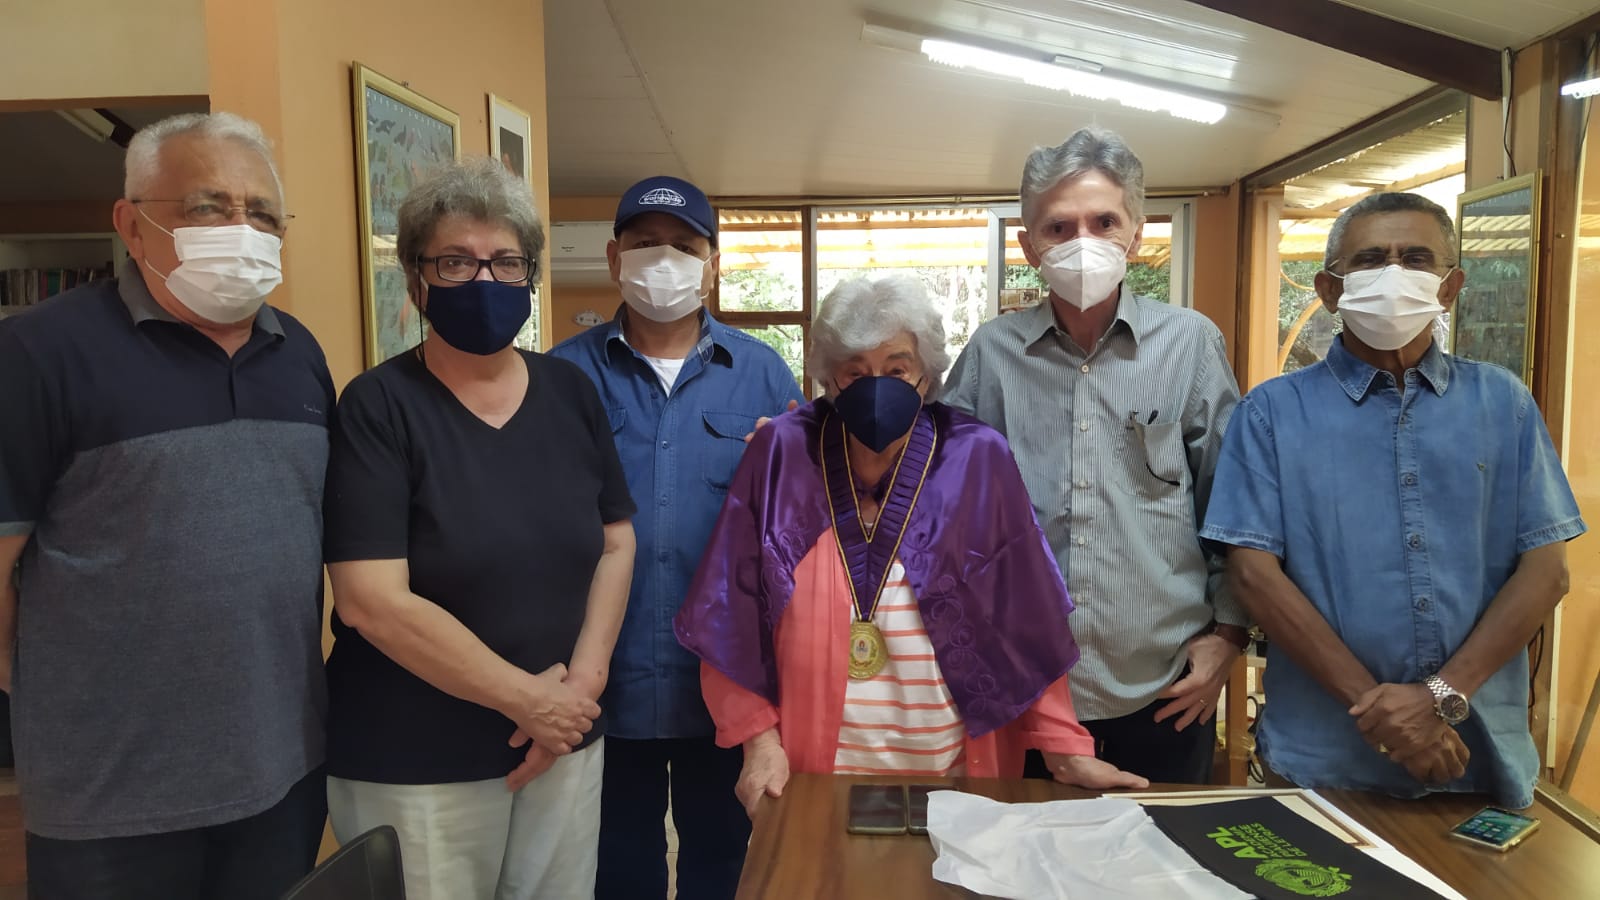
{"points": [[1449, 703]]}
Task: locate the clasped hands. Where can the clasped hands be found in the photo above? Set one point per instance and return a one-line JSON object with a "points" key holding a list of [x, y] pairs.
{"points": [[1400, 721], [559, 709]]}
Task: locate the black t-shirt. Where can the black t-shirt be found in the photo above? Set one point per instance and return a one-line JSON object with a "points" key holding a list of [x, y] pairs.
{"points": [[500, 527]]}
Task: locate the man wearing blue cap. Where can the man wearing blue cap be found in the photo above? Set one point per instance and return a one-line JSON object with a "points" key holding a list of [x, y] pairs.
{"points": [[682, 391]]}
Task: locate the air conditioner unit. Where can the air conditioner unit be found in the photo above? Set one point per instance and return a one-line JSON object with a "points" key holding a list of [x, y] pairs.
{"points": [[578, 252]]}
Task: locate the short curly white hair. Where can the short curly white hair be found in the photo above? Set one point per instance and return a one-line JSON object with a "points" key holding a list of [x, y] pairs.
{"points": [[861, 315]]}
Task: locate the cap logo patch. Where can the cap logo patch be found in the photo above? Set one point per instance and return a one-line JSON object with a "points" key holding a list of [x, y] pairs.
{"points": [[662, 197]]}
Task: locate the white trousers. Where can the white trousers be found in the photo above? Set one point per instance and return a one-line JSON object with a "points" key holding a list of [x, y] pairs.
{"points": [[478, 841]]}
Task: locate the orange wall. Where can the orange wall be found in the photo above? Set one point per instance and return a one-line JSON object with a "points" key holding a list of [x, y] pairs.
{"points": [[1484, 124], [1579, 652], [1574, 653], [295, 79], [1216, 263]]}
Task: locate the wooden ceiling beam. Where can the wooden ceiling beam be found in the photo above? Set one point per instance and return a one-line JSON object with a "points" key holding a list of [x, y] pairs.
{"points": [[1416, 51]]}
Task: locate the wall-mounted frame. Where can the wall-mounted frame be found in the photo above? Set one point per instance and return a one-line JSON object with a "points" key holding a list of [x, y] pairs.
{"points": [[511, 137], [400, 137], [511, 142], [1493, 319]]}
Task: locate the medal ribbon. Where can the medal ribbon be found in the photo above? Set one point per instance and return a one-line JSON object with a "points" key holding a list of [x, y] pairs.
{"points": [[869, 554]]}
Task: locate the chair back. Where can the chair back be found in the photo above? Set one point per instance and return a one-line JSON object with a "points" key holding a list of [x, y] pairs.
{"points": [[367, 868]]}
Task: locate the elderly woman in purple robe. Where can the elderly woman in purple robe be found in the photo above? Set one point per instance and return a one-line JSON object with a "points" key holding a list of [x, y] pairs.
{"points": [[877, 597]]}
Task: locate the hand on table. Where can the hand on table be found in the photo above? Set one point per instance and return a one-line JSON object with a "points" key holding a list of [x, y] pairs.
{"points": [[1194, 696], [765, 772], [1092, 773]]}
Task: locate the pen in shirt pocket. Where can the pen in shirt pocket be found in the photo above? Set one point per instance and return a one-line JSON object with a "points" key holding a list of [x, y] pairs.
{"points": [[1138, 428]]}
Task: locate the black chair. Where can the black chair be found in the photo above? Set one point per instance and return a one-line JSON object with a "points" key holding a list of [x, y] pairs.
{"points": [[367, 868]]}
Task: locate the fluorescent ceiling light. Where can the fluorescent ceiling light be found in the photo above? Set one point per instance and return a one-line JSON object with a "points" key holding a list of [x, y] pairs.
{"points": [[1580, 89], [1074, 81]]}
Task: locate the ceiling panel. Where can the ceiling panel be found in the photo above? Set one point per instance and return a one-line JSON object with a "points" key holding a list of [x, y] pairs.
{"points": [[774, 97], [1492, 23]]}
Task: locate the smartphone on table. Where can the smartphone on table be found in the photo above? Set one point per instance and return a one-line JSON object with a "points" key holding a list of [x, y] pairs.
{"points": [[917, 806], [1495, 828], [877, 809]]}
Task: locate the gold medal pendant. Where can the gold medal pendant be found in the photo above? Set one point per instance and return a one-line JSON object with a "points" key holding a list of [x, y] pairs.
{"points": [[868, 653]]}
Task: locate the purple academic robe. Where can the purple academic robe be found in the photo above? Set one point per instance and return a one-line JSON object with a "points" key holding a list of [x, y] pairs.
{"points": [[991, 596]]}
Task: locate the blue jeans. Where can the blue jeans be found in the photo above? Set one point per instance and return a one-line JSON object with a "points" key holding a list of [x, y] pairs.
{"points": [[713, 830]]}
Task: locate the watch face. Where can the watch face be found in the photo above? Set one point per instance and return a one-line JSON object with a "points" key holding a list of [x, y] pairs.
{"points": [[1453, 708]]}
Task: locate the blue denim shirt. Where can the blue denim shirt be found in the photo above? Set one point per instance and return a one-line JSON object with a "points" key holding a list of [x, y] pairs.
{"points": [[679, 451], [1399, 517]]}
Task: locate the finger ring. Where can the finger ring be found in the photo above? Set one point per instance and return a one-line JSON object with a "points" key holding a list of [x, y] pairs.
{"points": [[1384, 749]]}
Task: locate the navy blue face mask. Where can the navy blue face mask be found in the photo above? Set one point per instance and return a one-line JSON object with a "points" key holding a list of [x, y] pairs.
{"points": [[878, 409], [481, 317]]}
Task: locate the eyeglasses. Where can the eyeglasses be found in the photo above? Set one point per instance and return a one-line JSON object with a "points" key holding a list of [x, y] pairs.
{"points": [[1416, 260], [207, 212], [504, 269]]}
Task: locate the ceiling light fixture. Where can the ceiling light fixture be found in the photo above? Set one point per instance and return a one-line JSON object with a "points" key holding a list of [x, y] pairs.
{"points": [[1077, 82], [1580, 89], [1079, 77]]}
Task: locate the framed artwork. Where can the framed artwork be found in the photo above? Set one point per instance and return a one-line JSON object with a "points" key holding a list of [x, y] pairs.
{"points": [[511, 142], [400, 137], [1499, 251], [510, 137]]}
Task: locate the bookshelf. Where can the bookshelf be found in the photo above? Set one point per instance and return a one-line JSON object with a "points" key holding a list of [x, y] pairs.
{"points": [[31, 265]]}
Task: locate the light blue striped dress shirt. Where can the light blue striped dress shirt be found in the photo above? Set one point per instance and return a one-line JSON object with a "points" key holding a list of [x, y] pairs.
{"points": [[1117, 446]]}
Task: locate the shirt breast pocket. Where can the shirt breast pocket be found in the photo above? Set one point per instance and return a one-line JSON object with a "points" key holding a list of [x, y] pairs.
{"points": [[1154, 460], [725, 431]]}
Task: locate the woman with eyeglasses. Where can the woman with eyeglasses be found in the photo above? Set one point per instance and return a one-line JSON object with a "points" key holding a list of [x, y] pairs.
{"points": [[877, 597], [479, 544]]}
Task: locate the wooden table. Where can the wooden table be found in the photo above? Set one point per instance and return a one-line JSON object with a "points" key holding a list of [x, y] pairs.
{"points": [[800, 848]]}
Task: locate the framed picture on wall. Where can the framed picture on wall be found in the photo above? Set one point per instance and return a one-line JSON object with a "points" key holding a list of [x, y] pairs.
{"points": [[1498, 230], [400, 137], [511, 142], [511, 137]]}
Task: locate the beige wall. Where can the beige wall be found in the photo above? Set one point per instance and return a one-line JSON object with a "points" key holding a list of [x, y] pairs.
{"points": [[295, 80], [57, 49], [567, 300]]}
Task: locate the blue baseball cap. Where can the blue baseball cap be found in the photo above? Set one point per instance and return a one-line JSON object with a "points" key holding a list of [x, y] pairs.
{"points": [[673, 196]]}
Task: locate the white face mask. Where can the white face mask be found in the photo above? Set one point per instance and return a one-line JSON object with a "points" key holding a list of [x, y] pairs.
{"points": [[1387, 308], [224, 272], [661, 283], [1084, 271]]}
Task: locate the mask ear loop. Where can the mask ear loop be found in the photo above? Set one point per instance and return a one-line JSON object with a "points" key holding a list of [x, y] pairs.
{"points": [[422, 355]]}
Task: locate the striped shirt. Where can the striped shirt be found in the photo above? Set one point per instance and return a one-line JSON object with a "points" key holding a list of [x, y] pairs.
{"points": [[1117, 446], [900, 721]]}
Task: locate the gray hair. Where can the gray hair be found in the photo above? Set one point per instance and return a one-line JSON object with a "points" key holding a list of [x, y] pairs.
{"points": [[476, 188], [142, 164], [861, 315], [1091, 149], [1389, 202]]}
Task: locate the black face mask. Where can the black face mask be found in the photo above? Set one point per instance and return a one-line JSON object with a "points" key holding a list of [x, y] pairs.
{"points": [[878, 409], [481, 316]]}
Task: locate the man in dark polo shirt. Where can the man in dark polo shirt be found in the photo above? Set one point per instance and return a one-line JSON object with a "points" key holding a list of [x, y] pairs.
{"points": [[163, 440]]}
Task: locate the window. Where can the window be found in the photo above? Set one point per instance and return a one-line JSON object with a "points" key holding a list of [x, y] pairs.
{"points": [[779, 262]]}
